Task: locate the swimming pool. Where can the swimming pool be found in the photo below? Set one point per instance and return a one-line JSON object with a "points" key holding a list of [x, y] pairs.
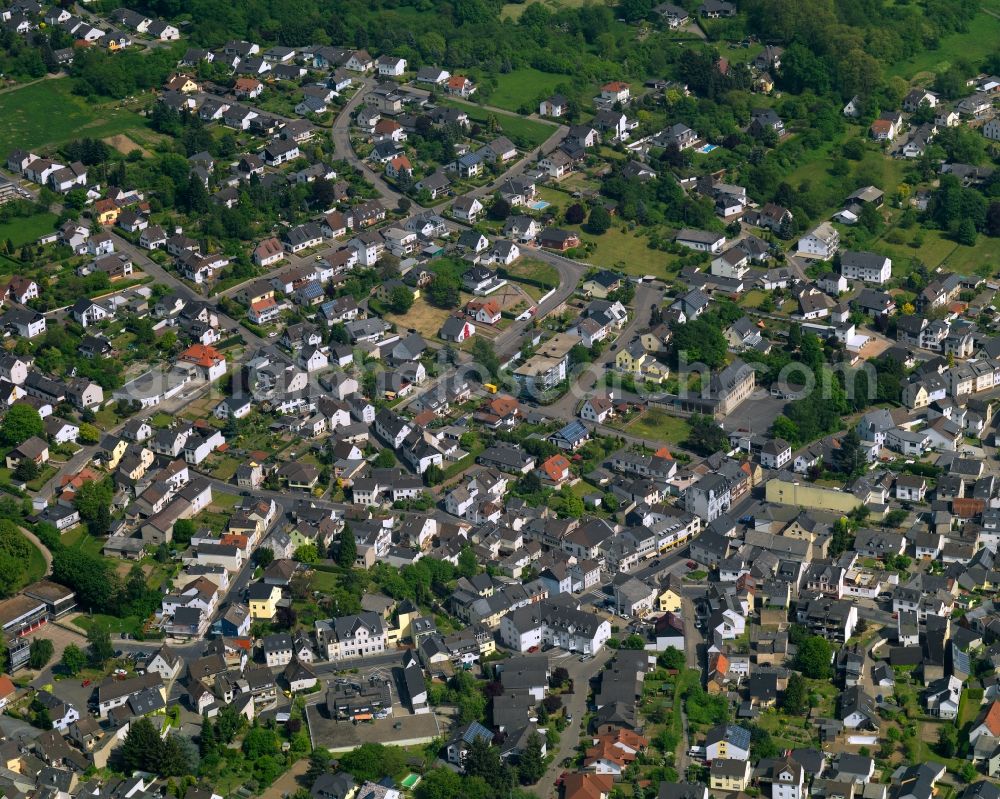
{"points": [[540, 205], [707, 148], [411, 781]]}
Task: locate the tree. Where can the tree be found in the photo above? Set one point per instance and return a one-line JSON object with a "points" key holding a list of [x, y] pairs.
{"points": [[849, 459], [813, 658], [484, 354], [26, 470], [307, 553], [400, 300], [499, 209], [705, 436], [575, 214], [373, 761], [441, 783], [99, 648], [468, 564], [385, 459], [89, 575], [347, 552], [184, 530], [947, 740], [966, 233], [141, 747], [89, 434], [93, 501], [672, 659], [40, 653], [793, 701], [599, 220], [21, 423], [531, 763], [263, 557], [433, 475], [73, 659], [15, 551], [699, 341], [444, 291]]}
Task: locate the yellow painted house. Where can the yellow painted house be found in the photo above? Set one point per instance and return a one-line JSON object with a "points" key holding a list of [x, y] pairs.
{"points": [[729, 775], [106, 212], [669, 600], [264, 601], [631, 358], [114, 455], [137, 468], [635, 360], [407, 613]]}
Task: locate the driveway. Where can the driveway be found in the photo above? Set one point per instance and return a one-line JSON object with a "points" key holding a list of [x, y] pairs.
{"points": [[576, 706]]}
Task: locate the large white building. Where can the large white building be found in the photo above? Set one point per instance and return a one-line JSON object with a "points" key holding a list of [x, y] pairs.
{"points": [[351, 636], [820, 242], [867, 266], [554, 623]]}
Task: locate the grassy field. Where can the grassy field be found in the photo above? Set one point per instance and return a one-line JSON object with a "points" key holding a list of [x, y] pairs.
{"points": [[27, 229], [423, 317], [659, 427], [972, 46], [937, 250], [48, 113], [514, 10], [523, 132], [523, 87], [531, 269], [36, 566], [130, 624], [626, 251], [78, 538]]}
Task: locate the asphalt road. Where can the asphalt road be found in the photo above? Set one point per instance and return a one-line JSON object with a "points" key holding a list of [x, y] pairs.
{"points": [[576, 706]]}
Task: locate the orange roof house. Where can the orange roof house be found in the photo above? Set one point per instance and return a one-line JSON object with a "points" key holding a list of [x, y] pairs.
{"points": [[235, 540], [385, 126], [202, 355], [247, 87], [400, 165], [627, 740], [990, 724], [487, 312], [587, 786], [207, 360], [556, 469], [7, 689], [605, 755], [106, 212]]}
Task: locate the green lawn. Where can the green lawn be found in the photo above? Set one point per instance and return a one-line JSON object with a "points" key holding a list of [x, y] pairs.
{"points": [[48, 114], [628, 252], [514, 10], [223, 502], [78, 538], [27, 229], [937, 250], [131, 624], [527, 133], [324, 581], [225, 469], [972, 46], [660, 427], [531, 269], [523, 87]]}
